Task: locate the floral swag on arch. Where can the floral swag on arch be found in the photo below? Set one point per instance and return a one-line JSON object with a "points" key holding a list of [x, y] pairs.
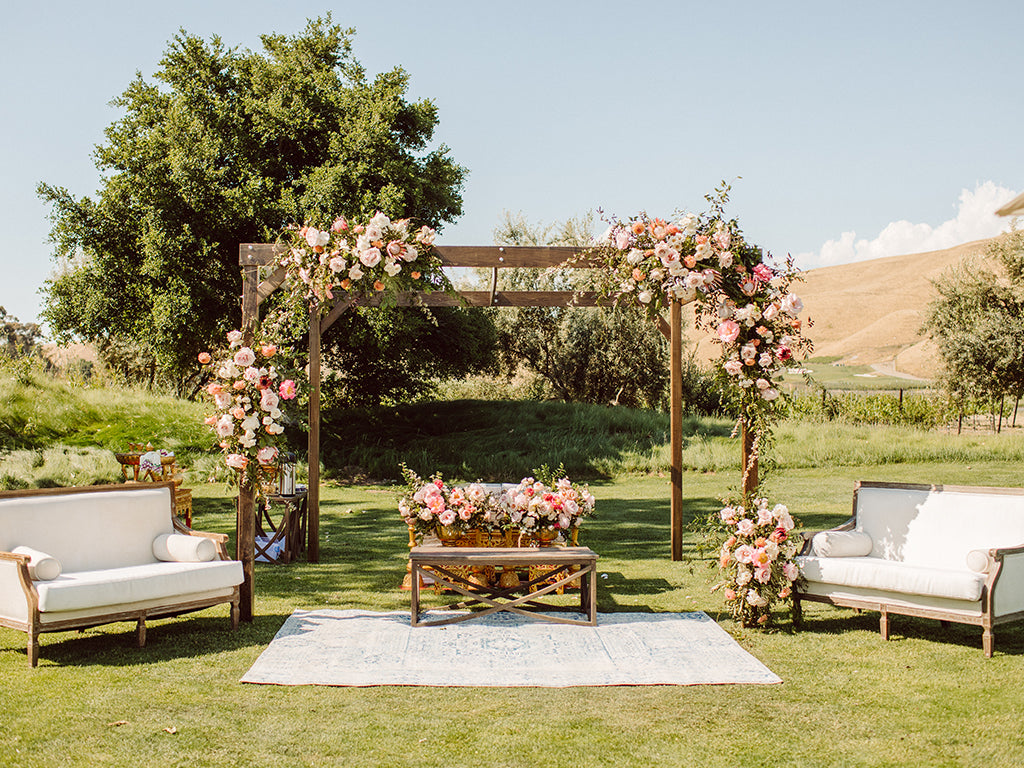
{"points": [[747, 306], [742, 300]]}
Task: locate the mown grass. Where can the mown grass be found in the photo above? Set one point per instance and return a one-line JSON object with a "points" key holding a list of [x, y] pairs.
{"points": [[926, 697]]}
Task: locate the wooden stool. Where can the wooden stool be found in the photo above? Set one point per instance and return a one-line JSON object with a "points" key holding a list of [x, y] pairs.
{"points": [[183, 504]]}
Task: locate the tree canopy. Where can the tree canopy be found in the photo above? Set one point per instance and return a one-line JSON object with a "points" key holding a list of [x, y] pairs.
{"points": [[228, 146], [978, 324]]}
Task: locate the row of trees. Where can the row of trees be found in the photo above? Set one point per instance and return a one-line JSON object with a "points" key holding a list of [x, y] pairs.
{"points": [[978, 324], [229, 146]]}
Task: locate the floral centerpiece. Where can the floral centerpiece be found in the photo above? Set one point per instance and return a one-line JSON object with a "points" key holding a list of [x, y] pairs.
{"points": [[379, 256], [757, 559], [430, 505], [532, 507], [249, 395]]}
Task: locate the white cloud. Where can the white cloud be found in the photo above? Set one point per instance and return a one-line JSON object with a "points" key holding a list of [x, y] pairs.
{"points": [[975, 219]]}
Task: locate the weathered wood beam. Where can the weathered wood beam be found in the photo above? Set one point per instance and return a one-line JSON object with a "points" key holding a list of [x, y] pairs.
{"points": [[266, 254], [676, 426]]}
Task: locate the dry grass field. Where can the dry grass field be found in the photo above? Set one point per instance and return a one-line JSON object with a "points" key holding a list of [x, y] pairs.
{"points": [[871, 312]]}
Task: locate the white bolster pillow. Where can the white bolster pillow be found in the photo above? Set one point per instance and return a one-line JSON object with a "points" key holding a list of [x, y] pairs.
{"points": [[977, 560], [841, 544], [177, 547], [41, 566]]}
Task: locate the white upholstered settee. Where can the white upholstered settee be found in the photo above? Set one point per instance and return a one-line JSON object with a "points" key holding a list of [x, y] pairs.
{"points": [[950, 553], [79, 557]]}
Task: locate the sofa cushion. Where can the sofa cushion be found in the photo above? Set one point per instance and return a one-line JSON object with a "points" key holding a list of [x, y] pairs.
{"points": [[934, 527], [841, 544], [41, 566], [977, 560], [181, 548], [114, 586], [875, 573], [89, 530]]}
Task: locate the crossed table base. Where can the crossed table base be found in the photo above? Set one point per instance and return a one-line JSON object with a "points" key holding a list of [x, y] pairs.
{"points": [[438, 563]]}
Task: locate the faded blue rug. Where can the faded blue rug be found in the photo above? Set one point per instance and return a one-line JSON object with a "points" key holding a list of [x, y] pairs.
{"points": [[363, 648]]}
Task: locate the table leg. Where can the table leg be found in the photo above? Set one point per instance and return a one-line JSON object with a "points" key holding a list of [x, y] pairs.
{"points": [[415, 596]]}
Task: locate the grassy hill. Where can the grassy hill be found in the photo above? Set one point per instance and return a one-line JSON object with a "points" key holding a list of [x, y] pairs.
{"points": [[870, 313]]}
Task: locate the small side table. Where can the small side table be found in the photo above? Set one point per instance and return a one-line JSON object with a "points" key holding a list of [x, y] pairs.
{"points": [[183, 504], [291, 528]]}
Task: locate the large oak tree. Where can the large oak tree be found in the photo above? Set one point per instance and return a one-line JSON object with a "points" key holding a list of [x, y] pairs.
{"points": [[227, 146]]}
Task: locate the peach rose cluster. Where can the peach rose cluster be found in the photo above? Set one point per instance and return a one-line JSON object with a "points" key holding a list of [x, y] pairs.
{"points": [[361, 258], [757, 559], [748, 307]]}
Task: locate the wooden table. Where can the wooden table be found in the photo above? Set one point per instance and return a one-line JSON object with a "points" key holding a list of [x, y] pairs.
{"points": [[291, 528], [441, 564]]}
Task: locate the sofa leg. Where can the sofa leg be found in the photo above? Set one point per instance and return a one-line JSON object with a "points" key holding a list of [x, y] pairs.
{"points": [[140, 631], [235, 614], [798, 612], [33, 648], [988, 641], [883, 624]]}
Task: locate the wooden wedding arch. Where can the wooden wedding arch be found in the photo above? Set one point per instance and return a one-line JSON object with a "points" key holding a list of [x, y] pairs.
{"points": [[254, 256]]}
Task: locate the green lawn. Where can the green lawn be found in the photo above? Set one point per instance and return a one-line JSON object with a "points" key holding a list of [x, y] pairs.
{"points": [[926, 697]]}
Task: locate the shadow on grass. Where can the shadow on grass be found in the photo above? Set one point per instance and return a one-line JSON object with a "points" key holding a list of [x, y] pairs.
{"points": [[182, 637], [497, 441], [1009, 638]]}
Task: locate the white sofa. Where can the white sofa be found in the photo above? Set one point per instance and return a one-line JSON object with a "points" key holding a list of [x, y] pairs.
{"points": [[944, 552], [79, 557]]}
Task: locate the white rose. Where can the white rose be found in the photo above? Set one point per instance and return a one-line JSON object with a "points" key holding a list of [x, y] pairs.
{"points": [[792, 305], [392, 268]]}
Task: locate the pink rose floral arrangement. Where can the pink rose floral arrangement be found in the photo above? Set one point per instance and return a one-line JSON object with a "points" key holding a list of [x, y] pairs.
{"points": [[531, 506], [249, 395], [757, 559], [558, 507], [377, 257], [431, 504], [743, 301]]}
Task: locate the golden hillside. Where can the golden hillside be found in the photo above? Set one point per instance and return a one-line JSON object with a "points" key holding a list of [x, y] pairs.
{"points": [[871, 312]]}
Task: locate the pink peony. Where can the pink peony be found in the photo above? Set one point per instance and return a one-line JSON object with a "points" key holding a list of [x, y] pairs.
{"points": [[763, 273], [287, 390], [234, 337], [370, 257], [339, 225], [236, 461], [244, 357], [621, 239], [728, 331]]}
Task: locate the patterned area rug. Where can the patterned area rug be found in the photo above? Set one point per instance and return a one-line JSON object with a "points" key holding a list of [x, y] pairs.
{"points": [[362, 648]]}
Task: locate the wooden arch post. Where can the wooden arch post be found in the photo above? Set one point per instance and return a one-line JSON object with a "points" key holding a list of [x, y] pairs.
{"points": [[254, 256]]}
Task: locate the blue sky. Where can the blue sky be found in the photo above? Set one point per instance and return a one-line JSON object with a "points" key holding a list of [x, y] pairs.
{"points": [[848, 130]]}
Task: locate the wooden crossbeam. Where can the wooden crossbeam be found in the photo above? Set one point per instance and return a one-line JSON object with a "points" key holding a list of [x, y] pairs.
{"points": [[489, 256]]}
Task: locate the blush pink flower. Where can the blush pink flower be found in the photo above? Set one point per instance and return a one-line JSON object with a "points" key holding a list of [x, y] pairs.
{"points": [[267, 455], [204, 358], [728, 331], [287, 390], [236, 461], [244, 357]]}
